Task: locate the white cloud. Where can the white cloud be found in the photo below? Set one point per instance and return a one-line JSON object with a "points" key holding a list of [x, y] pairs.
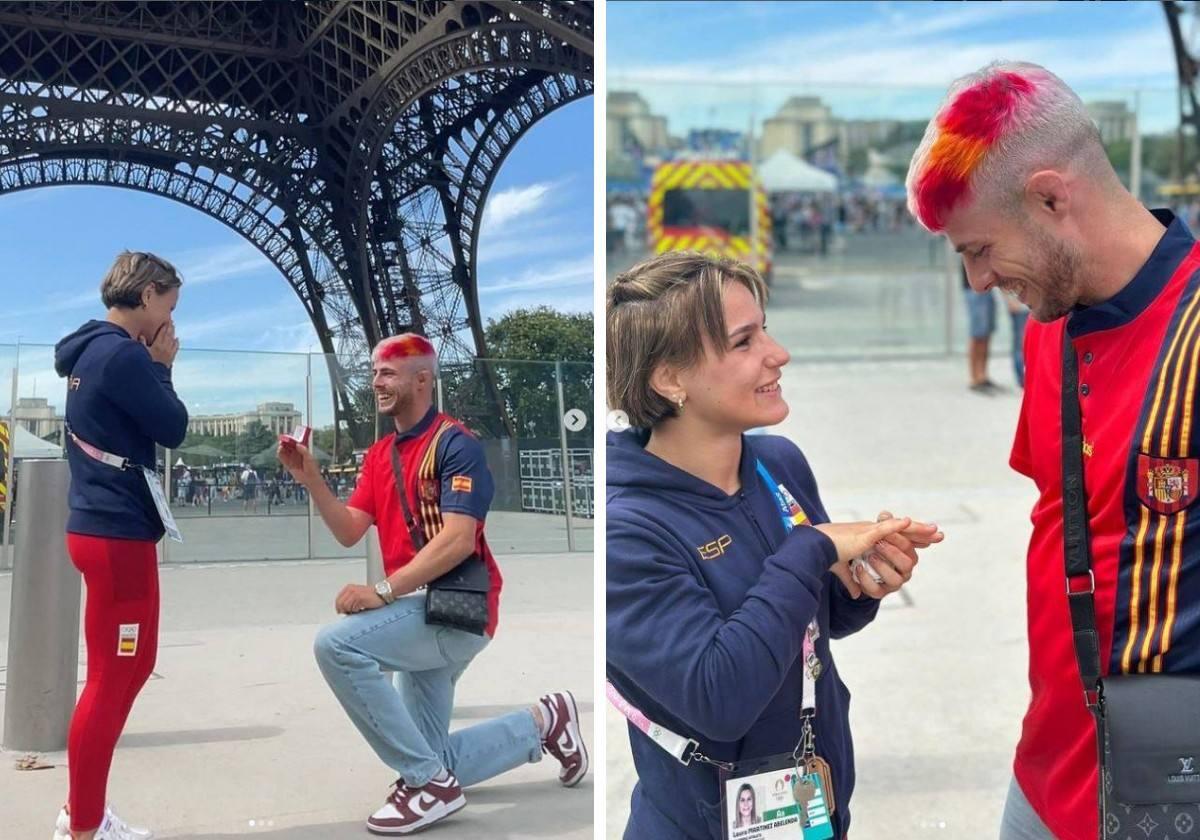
{"points": [[548, 280], [903, 49], [236, 321], [200, 266], [298, 337], [539, 239], [207, 265], [505, 206]]}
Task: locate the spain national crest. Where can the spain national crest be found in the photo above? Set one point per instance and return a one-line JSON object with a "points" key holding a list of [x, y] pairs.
{"points": [[429, 490], [1167, 485]]}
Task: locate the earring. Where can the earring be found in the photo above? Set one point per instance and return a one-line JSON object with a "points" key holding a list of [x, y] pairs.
{"points": [[679, 400]]}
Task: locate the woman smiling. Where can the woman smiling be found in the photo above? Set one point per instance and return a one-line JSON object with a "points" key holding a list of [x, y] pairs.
{"points": [[725, 579]]}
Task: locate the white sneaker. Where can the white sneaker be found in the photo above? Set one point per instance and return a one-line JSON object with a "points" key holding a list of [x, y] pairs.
{"points": [[115, 828], [112, 828], [62, 826]]}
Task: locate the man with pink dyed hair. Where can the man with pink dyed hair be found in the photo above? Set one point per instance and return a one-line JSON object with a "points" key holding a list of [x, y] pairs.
{"points": [[427, 488], [1012, 171]]}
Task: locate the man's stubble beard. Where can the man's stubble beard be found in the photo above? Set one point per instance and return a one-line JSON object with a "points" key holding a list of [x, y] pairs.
{"points": [[402, 403], [1061, 273]]}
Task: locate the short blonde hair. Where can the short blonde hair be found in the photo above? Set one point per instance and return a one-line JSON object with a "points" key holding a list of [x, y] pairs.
{"points": [[659, 313], [131, 273]]}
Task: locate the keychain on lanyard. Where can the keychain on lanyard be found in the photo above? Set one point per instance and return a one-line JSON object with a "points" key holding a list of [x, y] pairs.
{"points": [[805, 757]]}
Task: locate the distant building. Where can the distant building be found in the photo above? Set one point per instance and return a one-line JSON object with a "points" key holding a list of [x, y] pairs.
{"points": [[38, 417], [276, 417], [630, 125], [805, 125], [801, 125], [1114, 119]]}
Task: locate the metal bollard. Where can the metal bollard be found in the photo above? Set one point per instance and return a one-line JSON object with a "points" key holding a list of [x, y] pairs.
{"points": [[374, 556], [43, 628]]}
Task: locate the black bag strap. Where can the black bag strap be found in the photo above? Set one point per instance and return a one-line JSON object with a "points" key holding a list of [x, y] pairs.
{"points": [[414, 530], [1081, 582]]}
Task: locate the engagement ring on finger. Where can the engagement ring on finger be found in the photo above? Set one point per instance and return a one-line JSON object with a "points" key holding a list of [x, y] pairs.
{"points": [[864, 567]]}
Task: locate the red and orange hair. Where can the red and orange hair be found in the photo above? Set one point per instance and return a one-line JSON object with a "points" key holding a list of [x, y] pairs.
{"points": [[404, 346], [994, 127]]}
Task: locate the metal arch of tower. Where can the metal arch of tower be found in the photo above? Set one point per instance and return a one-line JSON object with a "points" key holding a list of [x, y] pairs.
{"points": [[399, 172], [432, 183], [250, 113], [1187, 69]]}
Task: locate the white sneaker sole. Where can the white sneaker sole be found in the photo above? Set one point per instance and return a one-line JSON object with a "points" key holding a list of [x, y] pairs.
{"points": [[435, 815], [573, 728]]}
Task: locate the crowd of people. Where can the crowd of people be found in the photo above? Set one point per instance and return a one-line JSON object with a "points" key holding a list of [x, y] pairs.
{"points": [[200, 486], [801, 222]]}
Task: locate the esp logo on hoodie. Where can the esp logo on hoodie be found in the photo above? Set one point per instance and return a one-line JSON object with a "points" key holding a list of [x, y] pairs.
{"points": [[714, 549]]}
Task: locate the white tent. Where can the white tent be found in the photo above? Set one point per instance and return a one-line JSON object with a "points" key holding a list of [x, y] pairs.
{"points": [[28, 445], [784, 172]]}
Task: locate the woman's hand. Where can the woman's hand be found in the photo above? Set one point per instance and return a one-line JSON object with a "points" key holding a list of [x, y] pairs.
{"points": [[854, 538], [893, 559], [164, 346]]}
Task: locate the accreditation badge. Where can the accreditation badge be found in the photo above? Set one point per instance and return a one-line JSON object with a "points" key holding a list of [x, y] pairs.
{"points": [[160, 503], [774, 797]]}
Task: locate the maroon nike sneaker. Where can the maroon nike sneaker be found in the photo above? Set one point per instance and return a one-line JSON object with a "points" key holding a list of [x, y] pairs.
{"points": [[564, 740], [411, 809]]}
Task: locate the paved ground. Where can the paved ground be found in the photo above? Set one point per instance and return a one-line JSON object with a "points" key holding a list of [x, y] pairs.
{"points": [[237, 733], [938, 682]]}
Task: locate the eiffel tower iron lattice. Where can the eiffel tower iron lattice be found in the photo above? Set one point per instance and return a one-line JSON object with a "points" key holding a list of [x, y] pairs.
{"points": [[353, 142]]}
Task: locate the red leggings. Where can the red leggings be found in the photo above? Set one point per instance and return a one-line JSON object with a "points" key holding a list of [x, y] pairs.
{"points": [[121, 626]]}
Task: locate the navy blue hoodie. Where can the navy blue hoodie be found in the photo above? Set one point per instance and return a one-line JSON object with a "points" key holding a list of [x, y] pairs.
{"points": [[120, 400], [711, 648]]}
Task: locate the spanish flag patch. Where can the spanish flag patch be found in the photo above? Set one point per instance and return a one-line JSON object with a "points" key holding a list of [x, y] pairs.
{"points": [[461, 484], [127, 639]]}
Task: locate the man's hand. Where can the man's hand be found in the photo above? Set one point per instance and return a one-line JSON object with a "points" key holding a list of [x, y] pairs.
{"points": [[299, 462], [356, 597]]}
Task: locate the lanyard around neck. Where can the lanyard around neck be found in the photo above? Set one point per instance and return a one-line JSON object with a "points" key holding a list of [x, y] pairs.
{"points": [[793, 516]]}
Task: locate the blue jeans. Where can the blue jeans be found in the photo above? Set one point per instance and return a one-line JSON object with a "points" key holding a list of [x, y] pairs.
{"points": [[408, 725], [1020, 821], [1019, 320], [981, 313]]}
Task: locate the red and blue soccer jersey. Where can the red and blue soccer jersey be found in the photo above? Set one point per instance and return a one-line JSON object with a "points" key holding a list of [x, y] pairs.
{"points": [[1139, 361], [444, 471]]}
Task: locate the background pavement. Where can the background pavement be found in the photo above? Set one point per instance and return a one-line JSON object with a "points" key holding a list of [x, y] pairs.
{"points": [[237, 734]]}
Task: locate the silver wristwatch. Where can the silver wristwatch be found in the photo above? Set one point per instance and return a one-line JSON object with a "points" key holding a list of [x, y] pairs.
{"points": [[384, 590]]}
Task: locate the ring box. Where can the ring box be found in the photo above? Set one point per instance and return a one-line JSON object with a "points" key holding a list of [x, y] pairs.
{"points": [[300, 435]]}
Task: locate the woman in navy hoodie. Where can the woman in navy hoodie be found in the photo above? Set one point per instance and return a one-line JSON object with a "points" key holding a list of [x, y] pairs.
{"points": [[120, 403], [725, 580]]}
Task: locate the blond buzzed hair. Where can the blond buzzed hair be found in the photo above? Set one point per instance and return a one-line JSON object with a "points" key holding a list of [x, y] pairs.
{"points": [[131, 273], [659, 313]]}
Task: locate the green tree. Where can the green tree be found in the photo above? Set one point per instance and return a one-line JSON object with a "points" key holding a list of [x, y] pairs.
{"points": [[523, 346], [253, 440], [542, 334]]}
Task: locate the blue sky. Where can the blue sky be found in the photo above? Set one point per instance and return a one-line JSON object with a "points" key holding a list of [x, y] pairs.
{"points": [[740, 61], [535, 247]]}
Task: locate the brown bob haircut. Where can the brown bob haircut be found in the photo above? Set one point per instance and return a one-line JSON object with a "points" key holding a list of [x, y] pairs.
{"points": [[131, 273], [659, 313]]}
